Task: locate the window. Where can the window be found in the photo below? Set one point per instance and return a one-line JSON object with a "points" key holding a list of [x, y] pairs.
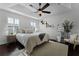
{"points": [[33, 24], [17, 21], [13, 25], [10, 20]]}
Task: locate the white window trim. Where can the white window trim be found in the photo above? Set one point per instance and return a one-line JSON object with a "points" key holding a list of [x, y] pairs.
{"points": [[13, 24], [34, 25]]}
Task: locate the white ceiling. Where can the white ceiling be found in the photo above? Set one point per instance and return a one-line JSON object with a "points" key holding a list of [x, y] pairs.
{"points": [[25, 9]]}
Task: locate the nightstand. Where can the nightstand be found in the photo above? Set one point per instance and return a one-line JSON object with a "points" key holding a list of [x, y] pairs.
{"points": [[11, 38]]}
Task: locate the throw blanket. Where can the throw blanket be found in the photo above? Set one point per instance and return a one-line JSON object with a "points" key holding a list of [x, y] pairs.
{"points": [[34, 41]]}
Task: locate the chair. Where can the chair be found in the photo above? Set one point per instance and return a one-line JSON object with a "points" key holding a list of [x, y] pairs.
{"points": [[73, 40]]}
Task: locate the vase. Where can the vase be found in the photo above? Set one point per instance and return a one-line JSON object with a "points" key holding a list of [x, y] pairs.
{"points": [[67, 35]]}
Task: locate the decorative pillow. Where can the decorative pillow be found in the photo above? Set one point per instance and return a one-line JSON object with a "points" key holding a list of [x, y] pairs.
{"points": [[23, 31], [41, 36]]}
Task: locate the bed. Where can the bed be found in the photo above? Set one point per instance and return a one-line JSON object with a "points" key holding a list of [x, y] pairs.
{"points": [[32, 44], [50, 48], [29, 41], [23, 37]]}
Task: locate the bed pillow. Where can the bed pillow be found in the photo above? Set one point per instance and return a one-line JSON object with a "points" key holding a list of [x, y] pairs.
{"points": [[30, 30]]}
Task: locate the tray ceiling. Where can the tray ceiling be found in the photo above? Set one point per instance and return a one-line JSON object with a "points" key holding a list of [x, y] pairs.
{"points": [[25, 9]]}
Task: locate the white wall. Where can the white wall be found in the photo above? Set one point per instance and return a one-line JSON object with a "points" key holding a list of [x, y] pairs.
{"points": [[72, 15], [24, 23]]}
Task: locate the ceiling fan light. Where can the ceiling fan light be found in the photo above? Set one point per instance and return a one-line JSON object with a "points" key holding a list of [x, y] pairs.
{"points": [[40, 13]]}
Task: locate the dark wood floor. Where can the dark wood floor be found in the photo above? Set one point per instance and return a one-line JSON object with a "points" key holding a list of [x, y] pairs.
{"points": [[73, 52], [6, 49]]}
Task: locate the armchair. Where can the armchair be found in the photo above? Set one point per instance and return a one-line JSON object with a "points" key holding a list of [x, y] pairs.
{"points": [[73, 40]]}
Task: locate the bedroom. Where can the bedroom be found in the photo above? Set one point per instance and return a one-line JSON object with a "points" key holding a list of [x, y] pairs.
{"points": [[22, 21]]}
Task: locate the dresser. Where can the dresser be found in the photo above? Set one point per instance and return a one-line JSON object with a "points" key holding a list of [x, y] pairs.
{"points": [[11, 38]]}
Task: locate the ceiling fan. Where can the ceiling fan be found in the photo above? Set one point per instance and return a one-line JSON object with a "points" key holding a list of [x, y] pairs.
{"points": [[40, 10]]}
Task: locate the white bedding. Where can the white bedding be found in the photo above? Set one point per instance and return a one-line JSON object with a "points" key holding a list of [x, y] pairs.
{"points": [[23, 37], [29, 41]]}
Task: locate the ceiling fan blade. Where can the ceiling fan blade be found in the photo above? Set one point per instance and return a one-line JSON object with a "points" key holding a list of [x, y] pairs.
{"points": [[33, 6], [46, 12], [39, 5], [45, 6]]}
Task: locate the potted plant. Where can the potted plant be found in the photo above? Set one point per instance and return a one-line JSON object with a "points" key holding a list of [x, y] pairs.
{"points": [[67, 25]]}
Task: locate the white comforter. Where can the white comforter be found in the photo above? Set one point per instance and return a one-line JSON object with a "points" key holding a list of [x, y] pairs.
{"points": [[23, 37]]}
